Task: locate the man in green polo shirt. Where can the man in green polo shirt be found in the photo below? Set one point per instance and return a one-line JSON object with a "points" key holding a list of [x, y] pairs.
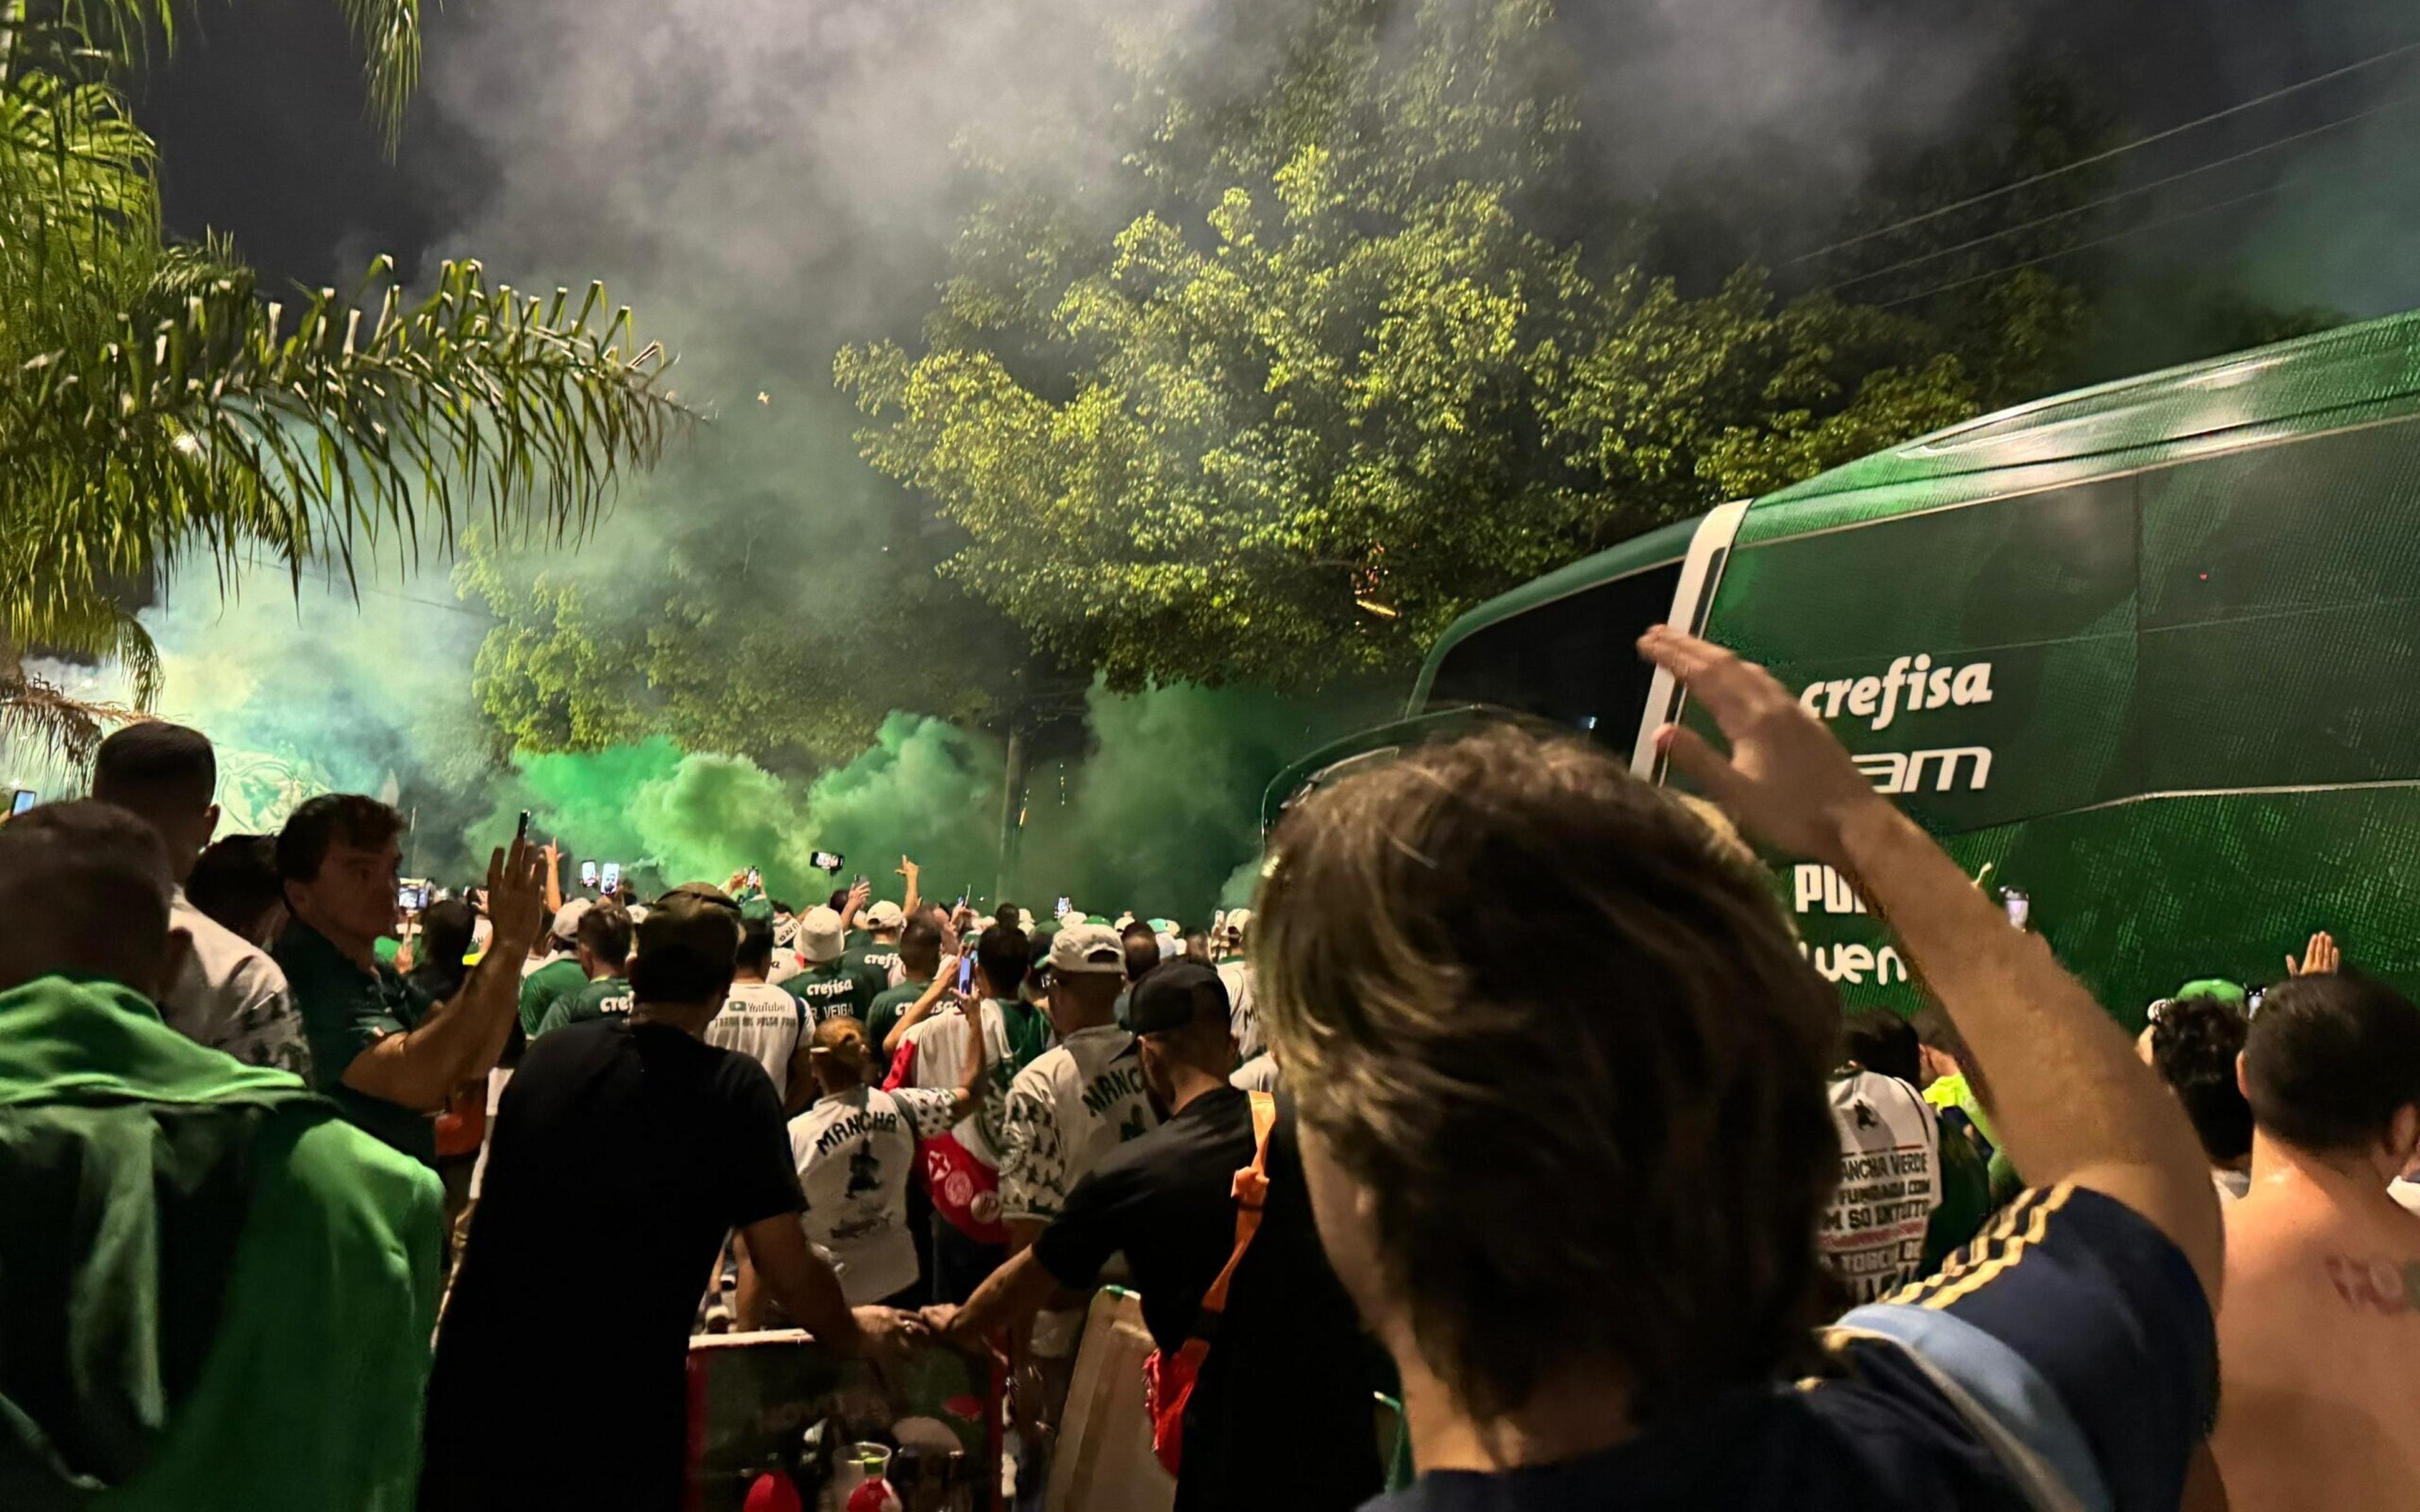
{"points": [[185, 1234], [389, 1057], [561, 973], [605, 956]]}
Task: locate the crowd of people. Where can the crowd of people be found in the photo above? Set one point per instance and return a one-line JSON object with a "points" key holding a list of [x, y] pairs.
{"points": [[1515, 1100]]}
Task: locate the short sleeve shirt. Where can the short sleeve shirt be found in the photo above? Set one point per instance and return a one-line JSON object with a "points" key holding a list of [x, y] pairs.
{"points": [[1243, 1013], [1072, 1105], [854, 1154], [2066, 1358], [880, 958], [1014, 1035], [345, 1011], [890, 1007], [230, 996], [764, 1023], [835, 990], [557, 978], [606, 998]]}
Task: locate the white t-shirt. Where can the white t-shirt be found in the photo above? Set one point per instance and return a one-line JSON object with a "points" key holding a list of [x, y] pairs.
{"points": [[764, 1023], [1079, 1100], [1243, 1017], [854, 1153], [940, 1041], [1890, 1183], [230, 996], [1258, 1074]]}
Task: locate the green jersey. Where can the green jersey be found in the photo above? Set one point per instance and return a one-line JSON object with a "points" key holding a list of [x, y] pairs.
{"points": [[881, 957], [836, 989], [345, 1011], [541, 988], [889, 1007], [607, 994]]}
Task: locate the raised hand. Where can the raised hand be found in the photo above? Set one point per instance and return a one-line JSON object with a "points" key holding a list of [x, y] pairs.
{"points": [[2320, 958], [515, 897], [1785, 777]]}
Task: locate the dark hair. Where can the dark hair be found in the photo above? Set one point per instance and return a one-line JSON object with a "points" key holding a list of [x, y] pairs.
{"points": [[755, 944], [781, 908], [235, 881], [1395, 949], [326, 820], [838, 900], [2193, 1046], [606, 930], [1142, 949], [84, 887], [446, 929], [1004, 955], [688, 946], [2329, 1060], [155, 758], [1880, 1040], [1008, 916], [920, 945]]}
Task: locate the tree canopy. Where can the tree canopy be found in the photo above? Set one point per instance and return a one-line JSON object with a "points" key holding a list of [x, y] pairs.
{"points": [[1328, 387], [155, 409]]}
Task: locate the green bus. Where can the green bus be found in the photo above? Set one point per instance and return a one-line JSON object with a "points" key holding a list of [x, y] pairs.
{"points": [[2146, 656]]}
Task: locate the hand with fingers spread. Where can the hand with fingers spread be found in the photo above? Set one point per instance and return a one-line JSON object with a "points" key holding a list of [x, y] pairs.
{"points": [[1785, 777], [515, 897], [2320, 958]]}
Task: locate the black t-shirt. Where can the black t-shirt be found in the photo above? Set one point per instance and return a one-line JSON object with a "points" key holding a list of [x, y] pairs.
{"points": [[2069, 1352], [1282, 1416], [622, 1154]]}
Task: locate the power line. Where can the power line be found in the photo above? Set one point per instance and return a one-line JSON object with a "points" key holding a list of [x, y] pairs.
{"points": [[2038, 221], [2088, 246], [2315, 81]]}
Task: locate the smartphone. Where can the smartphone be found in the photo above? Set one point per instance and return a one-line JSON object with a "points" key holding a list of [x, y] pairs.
{"points": [[755, 878], [967, 972], [827, 860], [1060, 910], [21, 800], [609, 880], [521, 830], [408, 899], [589, 873], [2019, 906]]}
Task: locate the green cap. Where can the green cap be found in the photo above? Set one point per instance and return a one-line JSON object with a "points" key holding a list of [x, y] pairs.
{"points": [[2218, 987]]}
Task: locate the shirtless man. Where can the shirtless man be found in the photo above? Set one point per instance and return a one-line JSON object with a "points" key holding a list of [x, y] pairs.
{"points": [[2319, 1327]]}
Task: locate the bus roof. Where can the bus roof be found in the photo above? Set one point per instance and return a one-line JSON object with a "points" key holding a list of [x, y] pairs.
{"points": [[2352, 376]]}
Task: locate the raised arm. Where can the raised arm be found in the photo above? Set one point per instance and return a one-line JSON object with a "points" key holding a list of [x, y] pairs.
{"points": [[2071, 1101], [553, 855], [944, 975], [462, 1037], [915, 896]]}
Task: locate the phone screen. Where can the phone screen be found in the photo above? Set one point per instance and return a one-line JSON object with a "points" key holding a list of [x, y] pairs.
{"points": [[609, 879], [755, 878], [408, 898], [589, 873], [1060, 911], [965, 973], [520, 831], [24, 799], [2019, 906], [827, 860]]}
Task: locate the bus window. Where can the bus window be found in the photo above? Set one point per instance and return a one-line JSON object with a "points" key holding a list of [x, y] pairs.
{"points": [[1574, 661]]}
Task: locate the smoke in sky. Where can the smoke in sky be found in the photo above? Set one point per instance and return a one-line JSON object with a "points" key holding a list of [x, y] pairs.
{"points": [[768, 179]]}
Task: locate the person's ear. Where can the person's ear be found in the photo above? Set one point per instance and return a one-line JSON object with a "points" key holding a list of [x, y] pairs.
{"points": [[210, 823], [2403, 1138], [2242, 1082], [179, 947]]}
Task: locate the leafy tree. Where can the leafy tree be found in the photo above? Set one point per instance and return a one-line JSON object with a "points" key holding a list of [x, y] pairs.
{"points": [[1327, 388], [155, 409]]}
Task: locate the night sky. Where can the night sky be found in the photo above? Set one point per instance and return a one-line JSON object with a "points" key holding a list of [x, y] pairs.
{"points": [[261, 122]]}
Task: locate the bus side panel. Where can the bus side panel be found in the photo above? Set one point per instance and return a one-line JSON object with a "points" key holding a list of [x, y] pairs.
{"points": [[2179, 710]]}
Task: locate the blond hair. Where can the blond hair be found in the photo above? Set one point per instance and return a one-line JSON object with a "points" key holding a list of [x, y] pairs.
{"points": [[1566, 1045]]}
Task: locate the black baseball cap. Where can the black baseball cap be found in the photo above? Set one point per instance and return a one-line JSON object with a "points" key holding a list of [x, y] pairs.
{"points": [[1174, 995]]}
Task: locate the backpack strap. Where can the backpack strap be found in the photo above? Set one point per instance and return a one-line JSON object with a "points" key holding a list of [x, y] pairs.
{"points": [[1252, 1189]]}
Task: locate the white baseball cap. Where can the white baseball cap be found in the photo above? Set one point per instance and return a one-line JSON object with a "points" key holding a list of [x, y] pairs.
{"points": [[819, 936], [886, 915], [1087, 948], [567, 918]]}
